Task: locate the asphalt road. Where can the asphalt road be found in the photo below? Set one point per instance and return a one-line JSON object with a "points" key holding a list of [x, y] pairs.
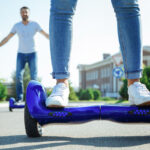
{"points": [[96, 135]]}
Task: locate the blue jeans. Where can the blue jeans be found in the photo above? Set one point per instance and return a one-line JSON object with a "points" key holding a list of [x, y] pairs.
{"points": [[22, 59], [129, 32]]}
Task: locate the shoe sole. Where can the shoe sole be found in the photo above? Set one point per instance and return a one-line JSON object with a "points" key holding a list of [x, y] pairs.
{"points": [[55, 106], [144, 104]]}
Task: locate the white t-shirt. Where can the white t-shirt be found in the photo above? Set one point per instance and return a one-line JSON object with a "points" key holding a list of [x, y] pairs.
{"points": [[26, 36]]}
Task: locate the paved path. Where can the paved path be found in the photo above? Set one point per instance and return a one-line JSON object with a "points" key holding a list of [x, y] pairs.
{"points": [[96, 135]]}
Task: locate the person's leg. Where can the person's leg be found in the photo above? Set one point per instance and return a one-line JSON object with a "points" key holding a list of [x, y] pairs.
{"points": [[128, 21], [129, 31], [19, 76], [32, 61], [61, 15]]}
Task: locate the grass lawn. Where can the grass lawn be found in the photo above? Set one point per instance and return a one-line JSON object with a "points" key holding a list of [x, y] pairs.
{"points": [[105, 100]]}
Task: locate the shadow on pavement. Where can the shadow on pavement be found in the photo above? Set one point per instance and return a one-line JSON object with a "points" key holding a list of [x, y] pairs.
{"points": [[55, 141]]}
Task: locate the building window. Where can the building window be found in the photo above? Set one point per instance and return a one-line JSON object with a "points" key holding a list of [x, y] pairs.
{"points": [[105, 87], [93, 75], [105, 72]]}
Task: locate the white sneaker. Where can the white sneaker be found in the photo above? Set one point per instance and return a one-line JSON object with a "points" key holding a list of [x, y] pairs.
{"points": [[59, 96], [138, 94]]}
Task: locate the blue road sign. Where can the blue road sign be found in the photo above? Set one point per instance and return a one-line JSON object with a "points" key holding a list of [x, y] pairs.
{"points": [[117, 72]]}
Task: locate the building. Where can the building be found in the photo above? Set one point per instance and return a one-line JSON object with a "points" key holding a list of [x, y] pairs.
{"points": [[99, 75]]}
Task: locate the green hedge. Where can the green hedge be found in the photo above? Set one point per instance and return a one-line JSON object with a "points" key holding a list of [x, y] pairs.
{"points": [[89, 94]]}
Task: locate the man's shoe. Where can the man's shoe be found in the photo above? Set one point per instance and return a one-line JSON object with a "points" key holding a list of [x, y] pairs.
{"points": [[59, 96], [19, 102], [138, 94]]}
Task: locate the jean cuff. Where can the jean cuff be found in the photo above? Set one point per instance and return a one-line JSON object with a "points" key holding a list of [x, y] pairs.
{"points": [[60, 75], [134, 75]]}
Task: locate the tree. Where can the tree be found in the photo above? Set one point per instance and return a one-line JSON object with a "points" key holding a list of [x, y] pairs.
{"points": [[26, 79], [3, 92], [124, 89], [13, 94], [146, 77], [72, 95]]}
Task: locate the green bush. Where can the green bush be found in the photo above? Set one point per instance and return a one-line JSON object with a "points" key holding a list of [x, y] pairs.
{"points": [[87, 94], [97, 94], [3, 92], [82, 95], [79, 93]]}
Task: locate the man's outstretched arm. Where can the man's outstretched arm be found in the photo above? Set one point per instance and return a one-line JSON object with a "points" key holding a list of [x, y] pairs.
{"points": [[6, 39], [45, 34]]}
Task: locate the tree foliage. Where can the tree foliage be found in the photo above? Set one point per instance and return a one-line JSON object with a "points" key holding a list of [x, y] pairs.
{"points": [[3, 92], [26, 79], [72, 94], [124, 89], [146, 77]]}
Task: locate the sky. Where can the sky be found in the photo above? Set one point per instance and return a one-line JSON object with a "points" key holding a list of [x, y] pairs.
{"points": [[94, 33]]}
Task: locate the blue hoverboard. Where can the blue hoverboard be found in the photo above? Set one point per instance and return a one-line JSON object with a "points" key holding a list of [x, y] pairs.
{"points": [[36, 114], [14, 105]]}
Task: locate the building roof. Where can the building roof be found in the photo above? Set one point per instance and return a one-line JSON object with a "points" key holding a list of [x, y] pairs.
{"points": [[108, 60]]}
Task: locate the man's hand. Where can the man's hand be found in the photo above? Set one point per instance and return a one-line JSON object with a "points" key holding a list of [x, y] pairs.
{"points": [[6, 39]]}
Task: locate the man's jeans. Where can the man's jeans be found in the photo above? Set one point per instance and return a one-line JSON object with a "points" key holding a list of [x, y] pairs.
{"points": [[128, 22], [22, 59]]}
